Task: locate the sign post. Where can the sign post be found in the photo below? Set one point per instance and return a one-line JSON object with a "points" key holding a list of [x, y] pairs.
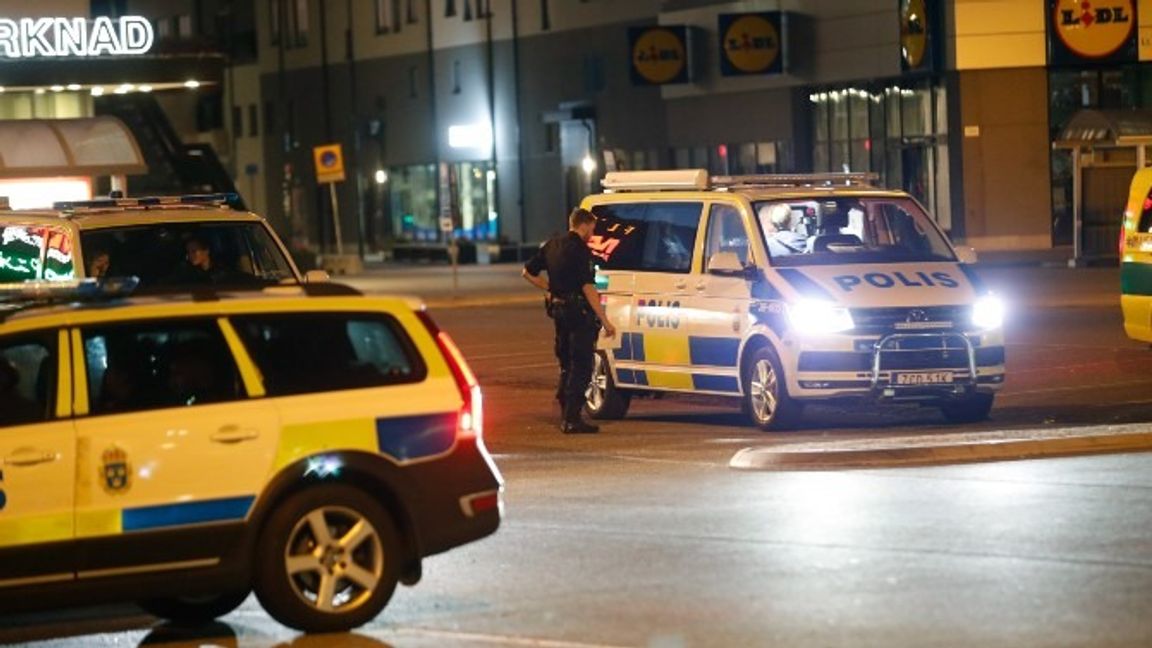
{"points": [[329, 161]]}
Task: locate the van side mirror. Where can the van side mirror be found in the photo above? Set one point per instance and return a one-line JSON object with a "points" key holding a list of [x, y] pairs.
{"points": [[316, 276], [966, 254], [727, 264]]}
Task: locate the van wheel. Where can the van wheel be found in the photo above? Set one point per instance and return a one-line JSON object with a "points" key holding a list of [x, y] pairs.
{"points": [[971, 409], [602, 399], [766, 399], [194, 610], [329, 560]]}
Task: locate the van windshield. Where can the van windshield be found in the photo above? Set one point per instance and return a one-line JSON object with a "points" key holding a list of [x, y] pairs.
{"points": [[849, 229], [179, 254]]}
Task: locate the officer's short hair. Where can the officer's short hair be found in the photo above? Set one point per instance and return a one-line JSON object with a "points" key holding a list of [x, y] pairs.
{"points": [[580, 216]]}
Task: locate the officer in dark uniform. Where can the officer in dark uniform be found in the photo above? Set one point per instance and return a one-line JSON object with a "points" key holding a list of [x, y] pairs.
{"points": [[574, 306]]}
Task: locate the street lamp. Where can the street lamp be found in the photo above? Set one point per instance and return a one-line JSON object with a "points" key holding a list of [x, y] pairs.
{"points": [[588, 164]]}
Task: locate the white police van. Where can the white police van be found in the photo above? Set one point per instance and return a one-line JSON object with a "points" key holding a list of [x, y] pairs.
{"points": [[870, 301]]}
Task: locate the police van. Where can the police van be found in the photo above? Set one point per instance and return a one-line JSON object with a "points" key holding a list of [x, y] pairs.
{"points": [[1136, 259], [869, 300]]}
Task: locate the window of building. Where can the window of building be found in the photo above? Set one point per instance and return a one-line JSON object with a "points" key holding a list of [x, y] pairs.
{"points": [[184, 26], [274, 10], [412, 17], [253, 120], [298, 19], [163, 27], [269, 117], [545, 17], [450, 8], [384, 18], [237, 122]]}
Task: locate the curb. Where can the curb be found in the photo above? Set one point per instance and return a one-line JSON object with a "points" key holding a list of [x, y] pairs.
{"points": [[936, 449]]}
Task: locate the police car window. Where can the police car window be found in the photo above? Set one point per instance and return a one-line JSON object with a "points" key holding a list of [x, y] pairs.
{"points": [[27, 379], [241, 253], [726, 233], [306, 353], [164, 363], [34, 253], [652, 236], [1146, 215]]}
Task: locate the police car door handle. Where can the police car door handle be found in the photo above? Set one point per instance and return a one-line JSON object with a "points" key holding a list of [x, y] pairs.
{"points": [[234, 434], [701, 285], [29, 457], [680, 285]]}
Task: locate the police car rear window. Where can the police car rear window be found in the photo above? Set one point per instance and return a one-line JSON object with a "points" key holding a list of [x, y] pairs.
{"points": [[651, 236], [300, 353], [1146, 215], [28, 252]]}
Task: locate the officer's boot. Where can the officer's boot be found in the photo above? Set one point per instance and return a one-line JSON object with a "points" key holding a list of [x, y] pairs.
{"points": [[573, 423]]}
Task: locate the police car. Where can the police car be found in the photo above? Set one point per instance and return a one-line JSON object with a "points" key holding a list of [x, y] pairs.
{"points": [[310, 444], [869, 300], [142, 237], [1136, 258]]}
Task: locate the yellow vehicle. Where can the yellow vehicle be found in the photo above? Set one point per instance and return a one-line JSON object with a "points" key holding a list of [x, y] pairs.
{"points": [[310, 444], [1136, 259], [784, 290], [144, 238]]}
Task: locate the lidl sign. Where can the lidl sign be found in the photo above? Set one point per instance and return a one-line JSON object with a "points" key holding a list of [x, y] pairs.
{"points": [[751, 43], [79, 37], [659, 54], [1092, 30]]}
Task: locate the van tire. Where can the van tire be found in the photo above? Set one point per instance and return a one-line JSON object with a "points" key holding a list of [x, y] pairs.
{"points": [[971, 409], [603, 400], [766, 401], [194, 610], [291, 536]]}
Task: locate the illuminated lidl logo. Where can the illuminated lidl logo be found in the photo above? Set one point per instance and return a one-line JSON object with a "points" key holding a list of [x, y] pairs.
{"points": [[1094, 28], [659, 55], [751, 43], [67, 37]]}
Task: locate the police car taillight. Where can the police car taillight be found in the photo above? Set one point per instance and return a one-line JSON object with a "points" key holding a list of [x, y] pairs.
{"points": [[471, 421]]}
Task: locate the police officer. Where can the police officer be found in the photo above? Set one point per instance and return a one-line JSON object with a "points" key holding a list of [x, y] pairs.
{"points": [[574, 306]]}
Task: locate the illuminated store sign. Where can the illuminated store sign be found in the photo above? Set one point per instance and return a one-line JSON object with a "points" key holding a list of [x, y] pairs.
{"points": [[1092, 30], [60, 37], [751, 43], [659, 55]]}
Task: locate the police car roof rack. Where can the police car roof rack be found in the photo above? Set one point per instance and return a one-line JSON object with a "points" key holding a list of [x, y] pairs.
{"points": [[860, 179], [146, 202], [672, 180], [21, 295]]}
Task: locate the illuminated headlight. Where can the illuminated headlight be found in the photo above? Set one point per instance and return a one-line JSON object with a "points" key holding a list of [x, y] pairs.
{"points": [[814, 317], [988, 312]]}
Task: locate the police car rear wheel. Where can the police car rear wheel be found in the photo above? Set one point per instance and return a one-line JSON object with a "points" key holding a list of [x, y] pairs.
{"points": [[329, 560], [766, 399], [972, 409], [603, 400], [194, 610]]}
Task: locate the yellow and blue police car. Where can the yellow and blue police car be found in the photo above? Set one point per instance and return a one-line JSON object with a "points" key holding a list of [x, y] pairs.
{"points": [[784, 290], [1136, 258], [143, 237], [307, 443]]}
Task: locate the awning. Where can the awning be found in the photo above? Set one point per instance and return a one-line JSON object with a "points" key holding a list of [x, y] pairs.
{"points": [[1106, 128], [45, 148]]}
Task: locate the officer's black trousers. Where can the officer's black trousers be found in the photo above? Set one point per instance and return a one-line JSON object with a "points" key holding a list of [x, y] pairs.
{"points": [[575, 346]]}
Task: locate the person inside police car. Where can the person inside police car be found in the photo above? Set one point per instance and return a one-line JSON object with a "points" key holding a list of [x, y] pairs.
{"points": [[201, 266], [574, 306], [779, 230]]}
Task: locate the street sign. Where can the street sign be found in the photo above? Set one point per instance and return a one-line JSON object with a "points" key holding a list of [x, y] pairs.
{"points": [[329, 159], [445, 224]]}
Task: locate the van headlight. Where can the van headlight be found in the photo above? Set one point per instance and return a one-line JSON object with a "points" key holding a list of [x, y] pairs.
{"points": [[988, 312], [815, 317]]}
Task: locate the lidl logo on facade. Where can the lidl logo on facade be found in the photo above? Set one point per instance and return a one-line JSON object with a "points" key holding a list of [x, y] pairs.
{"points": [[329, 160], [1092, 29], [914, 33], [751, 43], [659, 54]]}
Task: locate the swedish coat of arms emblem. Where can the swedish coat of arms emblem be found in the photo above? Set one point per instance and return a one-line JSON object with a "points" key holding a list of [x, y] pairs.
{"points": [[115, 470]]}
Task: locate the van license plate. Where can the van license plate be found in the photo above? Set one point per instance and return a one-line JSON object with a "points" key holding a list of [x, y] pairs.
{"points": [[924, 378]]}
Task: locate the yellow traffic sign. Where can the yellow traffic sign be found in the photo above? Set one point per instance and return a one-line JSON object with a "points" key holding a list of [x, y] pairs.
{"points": [[329, 159]]}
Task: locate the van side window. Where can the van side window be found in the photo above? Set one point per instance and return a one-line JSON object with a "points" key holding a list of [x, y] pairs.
{"points": [[1146, 215], [151, 365], [27, 379], [726, 233], [653, 236], [317, 352]]}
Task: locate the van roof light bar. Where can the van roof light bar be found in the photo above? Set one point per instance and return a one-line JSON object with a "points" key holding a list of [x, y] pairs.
{"points": [[206, 200], [679, 179], [859, 179]]}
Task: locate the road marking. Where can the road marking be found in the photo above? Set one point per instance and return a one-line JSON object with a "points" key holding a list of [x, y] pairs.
{"points": [[501, 640]]}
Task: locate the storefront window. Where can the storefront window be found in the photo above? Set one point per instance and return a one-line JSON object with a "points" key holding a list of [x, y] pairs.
{"points": [[476, 199], [411, 196]]}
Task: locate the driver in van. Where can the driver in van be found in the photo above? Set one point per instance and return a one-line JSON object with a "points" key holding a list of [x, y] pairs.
{"points": [[777, 223]]}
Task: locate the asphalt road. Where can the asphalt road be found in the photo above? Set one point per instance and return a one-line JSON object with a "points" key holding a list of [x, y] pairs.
{"points": [[643, 536]]}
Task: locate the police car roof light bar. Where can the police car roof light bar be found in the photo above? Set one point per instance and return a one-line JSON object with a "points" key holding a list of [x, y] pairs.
{"points": [[67, 290], [857, 179], [671, 180], [208, 200]]}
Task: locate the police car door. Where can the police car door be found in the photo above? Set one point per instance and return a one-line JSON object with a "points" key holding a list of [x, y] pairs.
{"points": [[663, 285], [37, 460], [173, 452], [720, 302]]}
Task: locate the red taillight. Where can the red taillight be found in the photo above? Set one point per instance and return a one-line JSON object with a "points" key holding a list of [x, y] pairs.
{"points": [[471, 421], [1123, 232]]}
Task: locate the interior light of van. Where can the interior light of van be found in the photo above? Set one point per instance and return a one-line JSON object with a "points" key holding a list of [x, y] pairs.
{"points": [[988, 312], [816, 317]]}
